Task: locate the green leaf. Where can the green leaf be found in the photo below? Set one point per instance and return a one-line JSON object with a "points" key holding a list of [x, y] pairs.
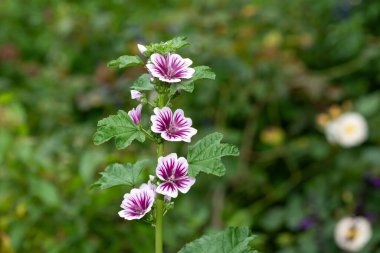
{"points": [[119, 174], [143, 83], [201, 72], [273, 219], [205, 155], [167, 46], [120, 127], [186, 86], [231, 240], [178, 42], [368, 105], [45, 190], [88, 163], [126, 61]]}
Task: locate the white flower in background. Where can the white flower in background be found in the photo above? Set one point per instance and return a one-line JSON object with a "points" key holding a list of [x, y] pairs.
{"points": [[348, 130], [352, 233], [331, 131]]}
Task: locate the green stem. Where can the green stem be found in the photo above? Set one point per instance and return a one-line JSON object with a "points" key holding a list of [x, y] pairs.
{"points": [[160, 198], [152, 105], [167, 103], [161, 100], [148, 134], [159, 219]]}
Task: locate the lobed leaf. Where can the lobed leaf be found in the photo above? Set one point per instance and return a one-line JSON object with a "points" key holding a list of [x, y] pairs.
{"points": [[231, 240], [201, 72], [143, 83], [119, 174], [167, 46], [126, 61], [120, 127], [205, 155]]}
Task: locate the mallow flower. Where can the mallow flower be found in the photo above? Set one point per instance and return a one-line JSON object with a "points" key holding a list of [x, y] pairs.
{"points": [[135, 114], [172, 127], [173, 172], [135, 94], [352, 233], [137, 203], [170, 68], [348, 130]]}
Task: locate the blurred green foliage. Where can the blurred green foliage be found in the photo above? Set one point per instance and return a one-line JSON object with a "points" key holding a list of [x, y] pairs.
{"points": [[277, 63]]}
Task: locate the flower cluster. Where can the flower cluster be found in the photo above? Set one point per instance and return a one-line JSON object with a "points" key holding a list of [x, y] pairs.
{"points": [[347, 129], [171, 171]]}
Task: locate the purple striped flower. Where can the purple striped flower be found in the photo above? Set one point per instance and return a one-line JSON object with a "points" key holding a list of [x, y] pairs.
{"points": [[172, 127], [170, 68], [135, 94], [137, 203], [173, 172], [135, 114]]}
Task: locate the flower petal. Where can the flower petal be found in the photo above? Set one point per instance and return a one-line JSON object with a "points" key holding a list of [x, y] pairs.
{"points": [[180, 168], [179, 119], [180, 67], [183, 134], [165, 166], [154, 71], [185, 73], [168, 189], [171, 136], [184, 184], [150, 188], [168, 80], [177, 62], [161, 120], [160, 62]]}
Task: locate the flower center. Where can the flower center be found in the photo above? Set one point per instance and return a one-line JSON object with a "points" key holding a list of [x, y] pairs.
{"points": [[352, 233], [350, 129], [170, 73], [172, 128], [138, 210]]}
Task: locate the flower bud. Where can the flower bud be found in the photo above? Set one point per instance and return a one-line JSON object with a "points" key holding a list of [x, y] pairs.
{"points": [[141, 48], [135, 94]]}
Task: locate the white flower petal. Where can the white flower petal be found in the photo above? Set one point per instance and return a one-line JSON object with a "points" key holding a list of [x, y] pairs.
{"points": [[167, 189]]}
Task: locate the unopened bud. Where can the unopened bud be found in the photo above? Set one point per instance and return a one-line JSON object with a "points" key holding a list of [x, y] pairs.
{"points": [[141, 48]]}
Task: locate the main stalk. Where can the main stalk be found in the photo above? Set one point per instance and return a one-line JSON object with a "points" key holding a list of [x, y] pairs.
{"points": [[160, 198]]}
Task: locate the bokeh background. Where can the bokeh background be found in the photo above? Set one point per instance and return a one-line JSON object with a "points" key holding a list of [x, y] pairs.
{"points": [[278, 65]]}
